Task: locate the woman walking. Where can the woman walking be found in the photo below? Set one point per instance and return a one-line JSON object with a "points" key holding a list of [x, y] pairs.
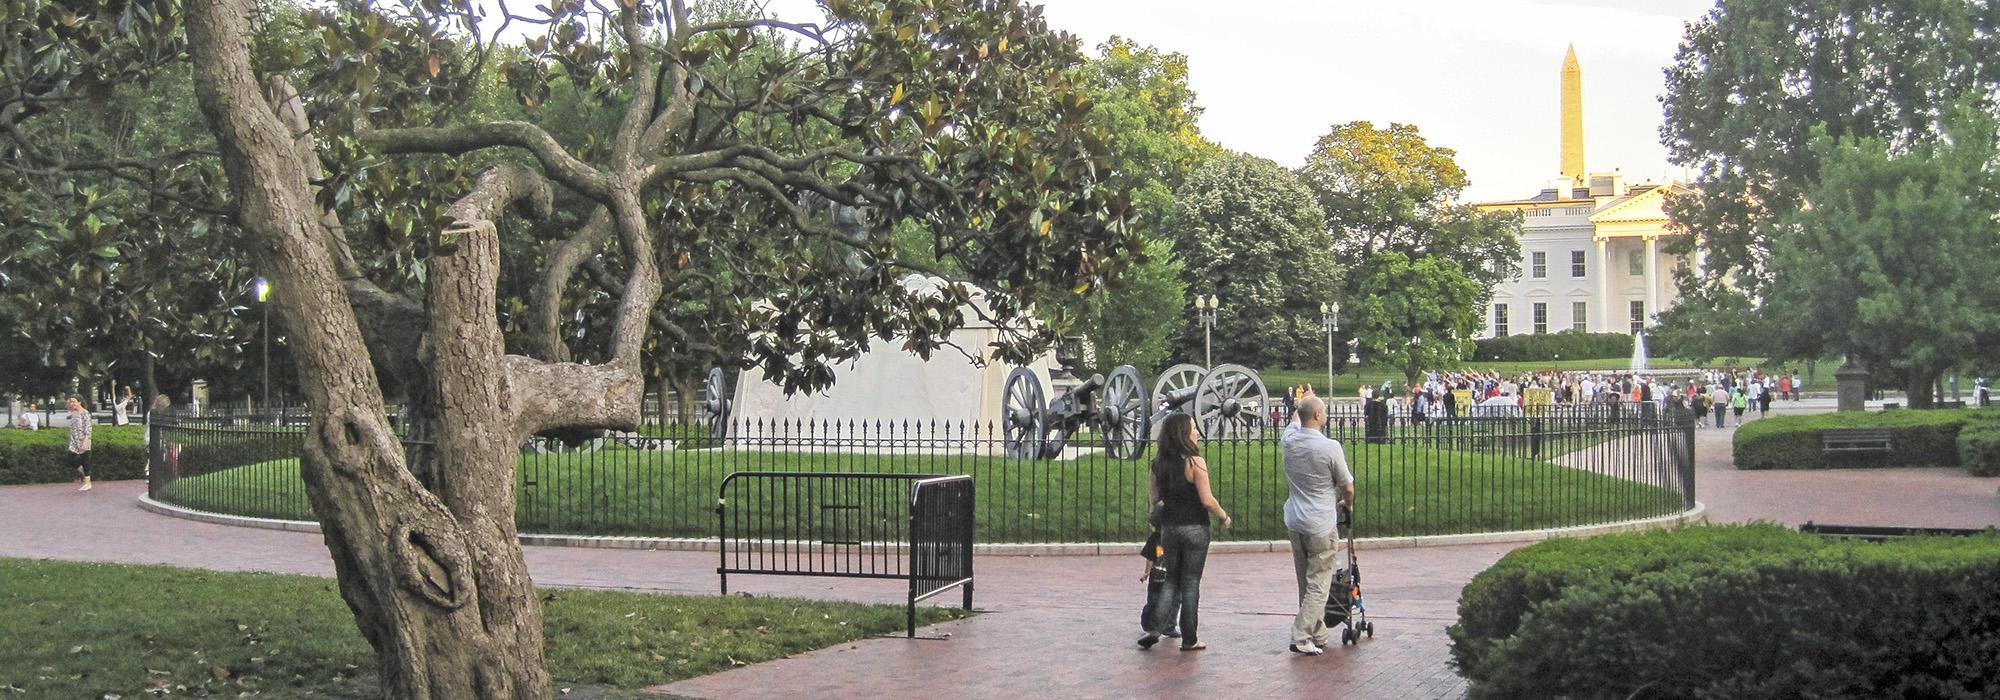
{"points": [[79, 438], [1180, 490]]}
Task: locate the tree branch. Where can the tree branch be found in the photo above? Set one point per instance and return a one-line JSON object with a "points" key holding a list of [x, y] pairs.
{"points": [[557, 161]]}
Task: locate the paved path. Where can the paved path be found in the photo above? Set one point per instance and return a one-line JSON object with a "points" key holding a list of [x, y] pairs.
{"points": [[1057, 626]]}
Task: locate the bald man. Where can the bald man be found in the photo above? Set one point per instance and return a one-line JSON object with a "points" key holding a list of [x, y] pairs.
{"points": [[1317, 469]]}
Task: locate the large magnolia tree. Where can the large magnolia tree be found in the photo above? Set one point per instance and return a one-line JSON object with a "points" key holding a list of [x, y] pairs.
{"points": [[770, 158]]}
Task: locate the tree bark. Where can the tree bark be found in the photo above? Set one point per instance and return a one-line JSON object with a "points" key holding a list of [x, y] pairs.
{"points": [[435, 580], [1919, 386]]}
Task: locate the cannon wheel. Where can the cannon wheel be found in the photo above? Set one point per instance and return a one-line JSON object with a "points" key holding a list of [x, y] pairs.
{"points": [[1176, 378], [1231, 403], [1021, 414], [1124, 418], [715, 405]]}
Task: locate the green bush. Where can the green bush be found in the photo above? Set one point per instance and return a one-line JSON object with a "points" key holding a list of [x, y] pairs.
{"points": [[1493, 604], [42, 456], [1979, 447], [1919, 618], [1920, 439], [1543, 347]]}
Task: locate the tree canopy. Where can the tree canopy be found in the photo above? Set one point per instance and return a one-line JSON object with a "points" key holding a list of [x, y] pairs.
{"points": [[1250, 234], [1753, 81], [1390, 191], [1414, 314], [1882, 265]]}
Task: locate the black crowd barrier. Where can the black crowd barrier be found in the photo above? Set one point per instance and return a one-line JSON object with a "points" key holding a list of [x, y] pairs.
{"points": [[846, 525], [1489, 470]]}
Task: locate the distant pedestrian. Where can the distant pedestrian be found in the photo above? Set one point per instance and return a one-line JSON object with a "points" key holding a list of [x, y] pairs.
{"points": [[1739, 399], [1764, 402], [1180, 487], [121, 407], [79, 438], [1798, 386], [1718, 399], [28, 421]]}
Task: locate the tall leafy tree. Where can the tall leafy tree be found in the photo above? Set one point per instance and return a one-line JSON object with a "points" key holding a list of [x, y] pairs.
{"points": [[1249, 233], [1414, 314], [119, 266], [1754, 79], [966, 118], [1882, 264], [1149, 114], [1391, 191]]}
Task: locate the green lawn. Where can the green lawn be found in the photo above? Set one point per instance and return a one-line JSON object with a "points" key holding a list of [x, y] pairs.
{"points": [[97, 630], [1345, 384], [1410, 487]]}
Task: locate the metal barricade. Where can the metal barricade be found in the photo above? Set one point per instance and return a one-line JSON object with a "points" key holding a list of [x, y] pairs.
{"points": [[915, 527]]}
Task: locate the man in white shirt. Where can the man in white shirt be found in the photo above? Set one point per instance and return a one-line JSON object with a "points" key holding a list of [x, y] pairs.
{"points": [[1316, 467]]}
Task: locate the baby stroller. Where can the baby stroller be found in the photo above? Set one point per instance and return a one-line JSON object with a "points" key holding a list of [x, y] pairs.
{"points": [[1343, 603]]}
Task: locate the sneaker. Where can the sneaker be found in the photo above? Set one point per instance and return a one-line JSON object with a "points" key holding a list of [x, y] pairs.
{"points": [[1171, 634], [85, 487], [1308, 649], [1149, 640]]}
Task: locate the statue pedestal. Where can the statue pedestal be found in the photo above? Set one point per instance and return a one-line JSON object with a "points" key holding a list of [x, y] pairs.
{"points": [[1853, 383]]}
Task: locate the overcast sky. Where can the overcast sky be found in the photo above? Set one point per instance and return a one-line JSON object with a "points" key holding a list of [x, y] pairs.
{"points": [[1477, 76]]}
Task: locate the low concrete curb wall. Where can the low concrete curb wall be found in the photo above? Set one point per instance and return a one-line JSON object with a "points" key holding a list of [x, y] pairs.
{"points": [[702, 544]]}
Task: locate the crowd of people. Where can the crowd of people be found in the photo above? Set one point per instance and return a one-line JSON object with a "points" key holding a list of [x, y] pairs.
{"points": [[1722, 393]]}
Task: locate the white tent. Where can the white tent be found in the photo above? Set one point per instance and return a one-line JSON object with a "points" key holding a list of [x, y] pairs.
{"points": [[889, 384]]}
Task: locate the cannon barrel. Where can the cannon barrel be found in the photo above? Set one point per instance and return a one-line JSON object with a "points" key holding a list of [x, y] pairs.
{"points": [[1086, 387]]}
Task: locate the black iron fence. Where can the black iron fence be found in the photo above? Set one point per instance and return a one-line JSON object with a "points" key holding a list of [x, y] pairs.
{"points": [[914, 527], [1548, 467]]}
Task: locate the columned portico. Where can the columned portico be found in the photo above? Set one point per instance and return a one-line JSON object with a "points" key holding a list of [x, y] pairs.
{"points": [[1605, 314], [1652, 275]]}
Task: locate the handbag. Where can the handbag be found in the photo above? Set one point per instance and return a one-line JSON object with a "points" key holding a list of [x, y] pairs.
{"points": [[1159, 513]]}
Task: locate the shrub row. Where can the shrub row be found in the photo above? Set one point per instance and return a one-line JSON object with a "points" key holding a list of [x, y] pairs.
{"points": [[1979, 444], [1541, 347], [1771, 613], [42, 456], [1920, 439]]}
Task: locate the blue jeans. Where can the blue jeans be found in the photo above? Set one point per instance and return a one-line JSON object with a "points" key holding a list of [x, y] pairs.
{"points": [[1186, 553]]}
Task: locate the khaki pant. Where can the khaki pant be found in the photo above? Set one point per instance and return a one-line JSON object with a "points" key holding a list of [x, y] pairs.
{"points": [[1313, 560]]}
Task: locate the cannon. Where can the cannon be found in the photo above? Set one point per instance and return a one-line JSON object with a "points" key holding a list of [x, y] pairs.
{"points": [[715, 404], [1229, 401], [1112, 406]]}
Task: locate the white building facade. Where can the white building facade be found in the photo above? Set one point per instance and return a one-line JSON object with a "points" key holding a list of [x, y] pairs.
{"points": [[1591, 257], [1591, 260]]}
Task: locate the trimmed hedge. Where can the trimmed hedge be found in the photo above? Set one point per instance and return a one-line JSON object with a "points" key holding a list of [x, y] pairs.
{"points": [[1979, 446], [42, 456], [1493, 604], [1919, 618], [1542, 347], [1921, 439]]}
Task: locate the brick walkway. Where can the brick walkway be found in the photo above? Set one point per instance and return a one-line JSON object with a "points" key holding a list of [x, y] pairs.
{"points": [[1057, 626]]}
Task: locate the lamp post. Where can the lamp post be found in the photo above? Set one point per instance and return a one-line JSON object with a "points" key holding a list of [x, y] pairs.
{"points": [[1206, 306], [263, 295], [1329, 318]]}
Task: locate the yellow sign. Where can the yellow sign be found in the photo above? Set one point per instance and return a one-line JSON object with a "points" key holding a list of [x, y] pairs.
{"points": [[1464, 399], [1539, 400]]}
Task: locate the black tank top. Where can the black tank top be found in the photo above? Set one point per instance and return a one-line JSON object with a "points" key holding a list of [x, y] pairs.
{"points": [[1183, 500]]}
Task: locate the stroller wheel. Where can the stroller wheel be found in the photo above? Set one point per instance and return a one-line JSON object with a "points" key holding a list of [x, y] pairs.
{"points": [[1368, 627], [1346, 637]]}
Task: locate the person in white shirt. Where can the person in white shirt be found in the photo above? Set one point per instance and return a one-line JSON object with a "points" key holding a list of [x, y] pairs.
{"points": [[28, 421]]}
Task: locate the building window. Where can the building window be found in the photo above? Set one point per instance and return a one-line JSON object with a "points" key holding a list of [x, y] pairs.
{"points": [[1638, 316], [1499, 320], [1576, 266], [1539, 263], [1637, 261], [1541, 318], [1578, 319]]}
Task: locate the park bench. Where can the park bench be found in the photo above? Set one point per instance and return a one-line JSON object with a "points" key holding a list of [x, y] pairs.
{"points": [[1879, 533], [1855, 440]]}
